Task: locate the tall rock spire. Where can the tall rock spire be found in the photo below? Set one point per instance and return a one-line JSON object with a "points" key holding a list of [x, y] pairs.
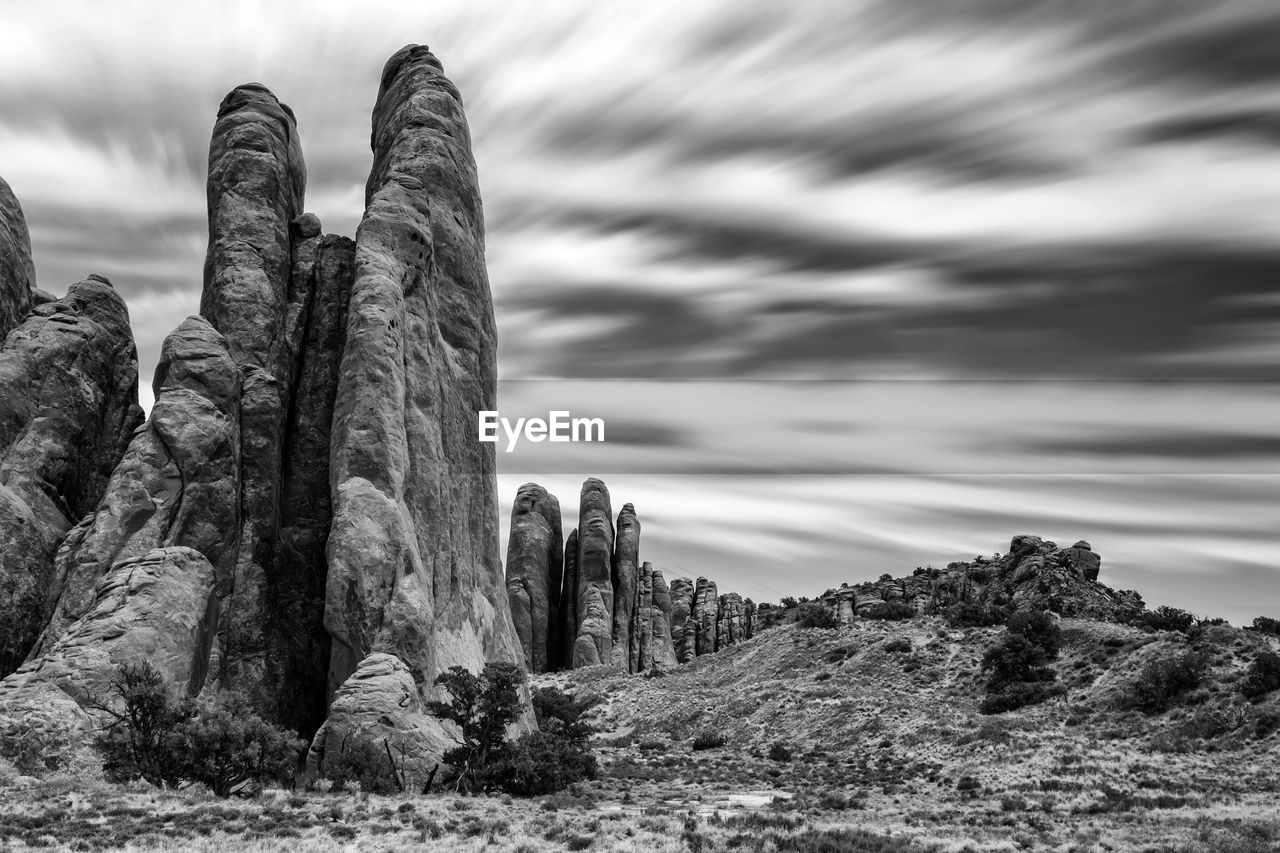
{"points": [[414, 563], [535, 561], [593, 644]]}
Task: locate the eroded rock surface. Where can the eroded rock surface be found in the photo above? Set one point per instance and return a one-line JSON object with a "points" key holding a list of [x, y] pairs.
{"points": [[414, 564], [535, 561], [17, 272], [69, 375], [595, 576]]}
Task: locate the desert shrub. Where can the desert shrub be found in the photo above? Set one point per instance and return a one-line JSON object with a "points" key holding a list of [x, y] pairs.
{"points": [[708, 739], [1039, 628], [481, 706], [967, 783], [1019, 695], [779, 751], [142, 718], [225, 744], [541, 762], [33, 750], [899, 645], [151, 735], [364, 766], [891, 610], [969, 615], [1161, 683], [787, 602], [1263, 675], [1165, 618], [817, 615], [1266, 625]]}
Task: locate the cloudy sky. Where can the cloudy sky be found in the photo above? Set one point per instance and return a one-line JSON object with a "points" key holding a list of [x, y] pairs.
{"points": [[859, 285]]}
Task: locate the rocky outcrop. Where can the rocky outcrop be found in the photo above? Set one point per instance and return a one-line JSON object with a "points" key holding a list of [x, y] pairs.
{"points": [[380, 706], [70, 379], [642, 621], [176, 485], [706, 608], [1034, 574], [535, 561], [414, 568], [626, 586], [594, 566], [160, 608], [17, 272], [664, 654], [730, 628], [683, 627]]}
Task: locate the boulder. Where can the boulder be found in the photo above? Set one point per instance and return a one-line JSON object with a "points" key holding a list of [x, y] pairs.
{"points": [[380, 705], [1082, 558]]}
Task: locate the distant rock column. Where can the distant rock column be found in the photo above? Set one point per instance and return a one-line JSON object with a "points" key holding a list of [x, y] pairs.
{"points": [[17, 272], [255, 190], [569, 602], [664, 653], [706, 602], [69, 375], [415, 567], [534, 557], [594, 641], [748, 619], [683, 627], [642, 628], [729, 620], [626, 581]]}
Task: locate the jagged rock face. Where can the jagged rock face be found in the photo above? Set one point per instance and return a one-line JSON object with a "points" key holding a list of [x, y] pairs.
{"points": [[177, 484], [255, 190], [706, 604], [534, 565], [683, 630], [70, 379], [626, 584], [17, 272], [379, 704], [642, 628], [1082, 558], [569, 601], [414, 563], [664, 654], [161, 608], [595, 576], [298, 645], [748, 619]]}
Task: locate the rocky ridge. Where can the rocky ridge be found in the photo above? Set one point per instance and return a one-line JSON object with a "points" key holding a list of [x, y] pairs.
{"points": [[593, 601]]}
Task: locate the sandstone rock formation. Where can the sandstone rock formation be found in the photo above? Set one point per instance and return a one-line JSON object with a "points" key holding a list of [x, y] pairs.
{"points": [[594, 566], [683, 626], [706, 607], [160, 607], [664, 653], [70, 379], [626, 585], [380, 705], [17, 272], [569, 601], [414, 568], [178, 483], [535, 562]]}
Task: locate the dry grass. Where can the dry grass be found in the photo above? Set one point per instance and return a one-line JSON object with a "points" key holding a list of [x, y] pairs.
{"points": [[884, 751]]}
